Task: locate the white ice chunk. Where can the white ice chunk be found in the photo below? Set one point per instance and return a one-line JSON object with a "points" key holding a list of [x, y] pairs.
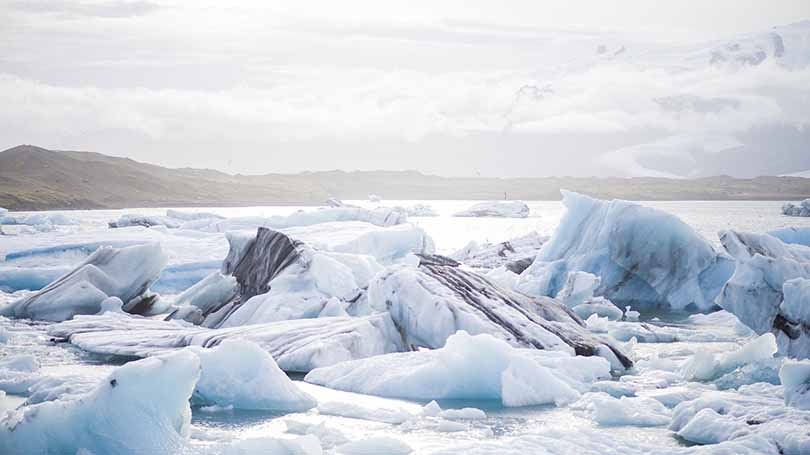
{"points": [[637, 411], [801, 208], [705, 365], [796, 235], [239, 373], [18, 373], [468, 367], [142, 407]]}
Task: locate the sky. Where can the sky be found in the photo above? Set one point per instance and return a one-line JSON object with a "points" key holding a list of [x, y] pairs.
{"points": [[457, 88]]}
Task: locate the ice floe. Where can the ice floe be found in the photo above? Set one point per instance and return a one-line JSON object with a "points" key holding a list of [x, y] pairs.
{"points": [[501, 209], [469, 367], [240, 374], [296, 345]]}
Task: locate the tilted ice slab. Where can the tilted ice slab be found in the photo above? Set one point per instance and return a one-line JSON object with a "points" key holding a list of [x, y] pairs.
{"points": [[515, 254], [801, 208], [769, 291], [142, 407], [382, 216], [125, 273], [501, 209], [642, 255], [436, 299], [296, 345], [469, 367]]}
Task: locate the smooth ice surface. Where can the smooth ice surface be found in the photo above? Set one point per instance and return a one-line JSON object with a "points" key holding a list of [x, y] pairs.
{"points": [[792, 235], [142, 407], [125, 273], [501, 209], [241, 374], [795, 378], [468, 367], [643, 256]]}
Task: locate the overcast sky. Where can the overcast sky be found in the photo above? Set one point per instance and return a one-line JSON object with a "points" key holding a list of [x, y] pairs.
{"points": [[509, 88]]}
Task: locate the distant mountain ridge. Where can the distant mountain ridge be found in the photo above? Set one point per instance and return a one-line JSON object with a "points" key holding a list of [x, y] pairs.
{"points": [[34, 178]]}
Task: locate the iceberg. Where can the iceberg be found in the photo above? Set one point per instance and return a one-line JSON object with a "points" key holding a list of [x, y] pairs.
{"points": [[430, 302], [500, 209], [142, 407], [768, 291], [515, 254], [644, 257], [417, 210], [205, 297], [706, 366], [241, 374], [125, 273], [297, 345], [478, 367], [801, 208]]}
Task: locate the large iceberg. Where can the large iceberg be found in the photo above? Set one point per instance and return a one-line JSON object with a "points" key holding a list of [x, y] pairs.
{"points": [[643, 256], [125, 273], [430, 302], [142, 407], [801, 208], [297, 345], [477, 367], [769, 290], [500, 209]]}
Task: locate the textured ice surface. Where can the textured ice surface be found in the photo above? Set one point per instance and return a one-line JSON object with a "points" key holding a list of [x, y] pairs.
{"points": [[433, 301], [513, 253], [125, 273], [502, 209], [469, 367], [298, 345], [643, 256], [609, 411], [756, 294]]}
